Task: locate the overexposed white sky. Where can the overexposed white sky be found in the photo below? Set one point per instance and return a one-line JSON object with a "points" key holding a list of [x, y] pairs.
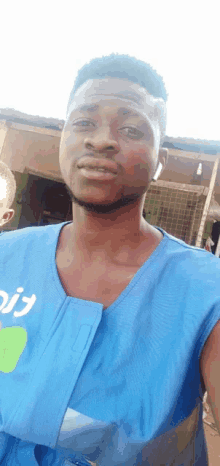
{"points": [[45, 42]]}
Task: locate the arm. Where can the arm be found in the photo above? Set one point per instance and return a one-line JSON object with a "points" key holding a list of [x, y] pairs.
{"points": [[210, 369]]}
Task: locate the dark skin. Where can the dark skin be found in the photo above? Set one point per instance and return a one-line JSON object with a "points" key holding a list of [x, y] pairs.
{"points": [[99, 253]]}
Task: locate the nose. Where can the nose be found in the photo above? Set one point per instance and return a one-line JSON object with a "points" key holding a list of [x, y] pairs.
{"points": [[102, 141]]}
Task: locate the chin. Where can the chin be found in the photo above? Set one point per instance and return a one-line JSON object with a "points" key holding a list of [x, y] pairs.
{"points": [[105, 207]]}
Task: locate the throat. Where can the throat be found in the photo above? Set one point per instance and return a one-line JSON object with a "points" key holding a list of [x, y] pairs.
{"points": [[99, 278]]}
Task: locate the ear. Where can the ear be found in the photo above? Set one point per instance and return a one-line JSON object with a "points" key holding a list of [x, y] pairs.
{"points": [[8, 215]]}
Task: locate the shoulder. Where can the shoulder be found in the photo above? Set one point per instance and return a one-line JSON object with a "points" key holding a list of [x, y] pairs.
{"points": [[27, 238], [29, 232], [190, 260], [210, 370]]}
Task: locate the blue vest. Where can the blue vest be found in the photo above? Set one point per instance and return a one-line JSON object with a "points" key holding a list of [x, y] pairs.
{"points": [[119, 387]]}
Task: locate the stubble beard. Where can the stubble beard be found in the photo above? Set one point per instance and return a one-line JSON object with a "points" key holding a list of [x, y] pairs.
{"points": [[104, 208]]}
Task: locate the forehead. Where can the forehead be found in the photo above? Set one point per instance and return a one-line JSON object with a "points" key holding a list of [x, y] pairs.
{"points": [[3, 189], [118, 90]]}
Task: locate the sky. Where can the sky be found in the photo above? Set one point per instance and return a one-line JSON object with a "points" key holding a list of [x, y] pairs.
{"points": [[45, 42]]}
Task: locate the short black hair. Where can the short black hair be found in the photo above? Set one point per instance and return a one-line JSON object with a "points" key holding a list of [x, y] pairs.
{"points": [[122, 67], [7, 175]]}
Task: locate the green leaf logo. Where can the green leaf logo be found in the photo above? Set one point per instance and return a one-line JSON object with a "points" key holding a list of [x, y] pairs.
{"points": [[12, 343]]}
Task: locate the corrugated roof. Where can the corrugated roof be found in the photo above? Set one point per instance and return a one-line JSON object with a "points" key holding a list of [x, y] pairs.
{"points": [[14, 116], [192, 145]]}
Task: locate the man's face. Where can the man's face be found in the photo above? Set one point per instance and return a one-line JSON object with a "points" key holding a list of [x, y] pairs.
{"points": [[6, 214], [110, 142]]}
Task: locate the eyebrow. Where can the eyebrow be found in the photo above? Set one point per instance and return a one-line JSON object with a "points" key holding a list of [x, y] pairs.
{"points": [[125, 111], [121, 111], [87, 108]]}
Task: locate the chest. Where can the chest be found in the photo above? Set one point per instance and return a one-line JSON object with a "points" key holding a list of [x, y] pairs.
{"points": [[97, 282]]}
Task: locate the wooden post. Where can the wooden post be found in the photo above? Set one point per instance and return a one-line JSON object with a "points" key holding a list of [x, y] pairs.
{"points": [[193, 221], [207, 203]]}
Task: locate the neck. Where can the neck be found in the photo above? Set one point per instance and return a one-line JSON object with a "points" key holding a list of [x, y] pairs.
{"points": [[112, 232]]}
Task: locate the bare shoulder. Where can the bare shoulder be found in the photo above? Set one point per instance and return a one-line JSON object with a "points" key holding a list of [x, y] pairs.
{"points": [[212, 345], [210, 370]]}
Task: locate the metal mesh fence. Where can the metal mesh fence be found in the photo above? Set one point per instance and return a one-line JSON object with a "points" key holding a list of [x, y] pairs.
{"points": [[176, 207]]}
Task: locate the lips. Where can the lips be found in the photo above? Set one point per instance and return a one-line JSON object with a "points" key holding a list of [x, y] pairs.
{"points": [[99, 165]]}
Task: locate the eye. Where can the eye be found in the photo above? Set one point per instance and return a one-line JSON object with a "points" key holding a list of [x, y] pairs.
{"points": [[83, 124], [132, 133]]}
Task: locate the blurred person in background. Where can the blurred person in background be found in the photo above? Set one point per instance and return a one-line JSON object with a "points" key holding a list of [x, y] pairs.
{"points": [[7, 194]]}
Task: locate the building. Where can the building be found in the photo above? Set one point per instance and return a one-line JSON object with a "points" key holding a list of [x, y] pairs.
{"points": [[181, 201]]}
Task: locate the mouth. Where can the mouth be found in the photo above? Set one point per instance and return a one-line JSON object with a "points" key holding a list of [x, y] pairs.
{"points": [[101, 169], [102, 165]]}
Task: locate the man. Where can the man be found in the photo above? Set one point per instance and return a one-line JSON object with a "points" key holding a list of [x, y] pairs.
{"points": [[109, 330], [7, 193]]}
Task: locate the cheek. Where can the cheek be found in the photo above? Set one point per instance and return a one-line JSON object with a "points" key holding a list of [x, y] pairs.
{"points": [[70, 146], [140, 160], [68, 143], [64, 159]]}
